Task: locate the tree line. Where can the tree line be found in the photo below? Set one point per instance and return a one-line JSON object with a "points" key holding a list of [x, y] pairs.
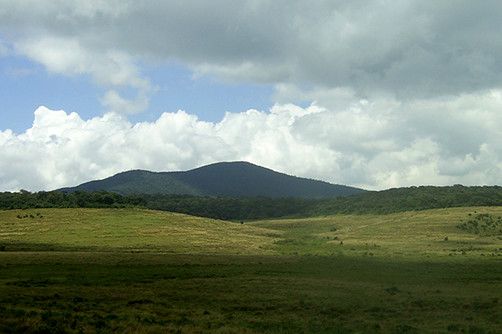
{"points": [[213, 207], [413, 198], [57, 199], [248, 208]]}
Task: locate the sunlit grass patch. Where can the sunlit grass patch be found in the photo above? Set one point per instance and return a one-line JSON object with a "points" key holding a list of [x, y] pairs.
{"points": [[414, 234], [129, 229]]}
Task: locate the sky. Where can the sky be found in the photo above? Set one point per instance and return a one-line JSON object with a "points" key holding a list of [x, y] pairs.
{"points": [[374, 94]]}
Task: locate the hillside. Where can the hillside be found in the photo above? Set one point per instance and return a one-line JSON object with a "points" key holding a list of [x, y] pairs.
{"points": [[227, 179], [128, 230], [453, 232], [471, 231]]}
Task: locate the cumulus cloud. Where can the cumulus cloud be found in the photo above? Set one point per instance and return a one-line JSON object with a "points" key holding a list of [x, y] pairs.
{"points": [[375, 145], [400, 93]]}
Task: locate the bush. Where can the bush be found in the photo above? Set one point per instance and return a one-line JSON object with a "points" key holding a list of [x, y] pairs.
{"points": [[483, 224]]}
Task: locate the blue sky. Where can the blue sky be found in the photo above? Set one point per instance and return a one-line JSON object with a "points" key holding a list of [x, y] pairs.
{"points": [[205, 96], [26, 85], [358, 93]]}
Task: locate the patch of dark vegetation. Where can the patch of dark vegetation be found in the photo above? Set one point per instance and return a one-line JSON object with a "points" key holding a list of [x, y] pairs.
{"points": [[479, 306], [78, 299], [392, 290], [57, 199], [32, 283], [379, 311], [139, 302], [228, 208], [484, 224], [473, 329], [453, 328], [403, 328]]}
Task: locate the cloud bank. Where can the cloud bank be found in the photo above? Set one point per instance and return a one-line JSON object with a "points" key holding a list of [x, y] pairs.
{"points": [[409, 49], [375, 145]]}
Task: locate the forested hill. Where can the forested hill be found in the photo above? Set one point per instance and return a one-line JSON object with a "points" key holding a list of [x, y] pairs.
{"points": [[225, 179], [412, 198]]}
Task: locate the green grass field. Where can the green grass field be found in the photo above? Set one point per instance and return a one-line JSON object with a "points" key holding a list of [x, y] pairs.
{"points": [[127, 230], [140, 271], [416, 234]]}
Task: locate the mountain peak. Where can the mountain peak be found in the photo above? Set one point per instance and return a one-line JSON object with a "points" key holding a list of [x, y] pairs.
{"points": [[241, 163], [226, 179]]}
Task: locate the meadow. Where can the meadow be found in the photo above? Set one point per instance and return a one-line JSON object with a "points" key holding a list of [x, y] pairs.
{"points": [[142, 271]]}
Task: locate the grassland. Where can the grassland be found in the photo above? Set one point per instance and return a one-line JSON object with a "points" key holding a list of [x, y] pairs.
{"points": [[412, 235], [127, 230], [136, 271]]}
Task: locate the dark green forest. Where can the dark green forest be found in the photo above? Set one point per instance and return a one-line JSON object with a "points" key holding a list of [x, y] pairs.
{"points": [[247, 208], [57, 199], [412, 198], [212, 207], [232, 208]]}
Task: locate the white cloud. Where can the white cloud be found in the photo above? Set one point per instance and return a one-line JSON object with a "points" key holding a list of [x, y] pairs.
{"points": [[109, 68], [68, 56], [375, 144], [408, 49], [116, 103]]}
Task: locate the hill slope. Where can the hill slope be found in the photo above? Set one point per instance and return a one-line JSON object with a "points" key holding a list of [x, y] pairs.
{"points": [[128, 230], [230, 179], [473, 232], [468, 232]]}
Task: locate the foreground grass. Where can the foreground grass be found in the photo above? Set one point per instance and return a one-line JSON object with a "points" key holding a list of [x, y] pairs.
{"points": [[136, 271], [109, 292]]}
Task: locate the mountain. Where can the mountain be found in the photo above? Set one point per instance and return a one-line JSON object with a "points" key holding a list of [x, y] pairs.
{"points": [[226, 179]]}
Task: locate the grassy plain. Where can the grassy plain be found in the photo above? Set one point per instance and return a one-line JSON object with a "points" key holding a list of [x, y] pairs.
{"points": [[139, 271]]}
